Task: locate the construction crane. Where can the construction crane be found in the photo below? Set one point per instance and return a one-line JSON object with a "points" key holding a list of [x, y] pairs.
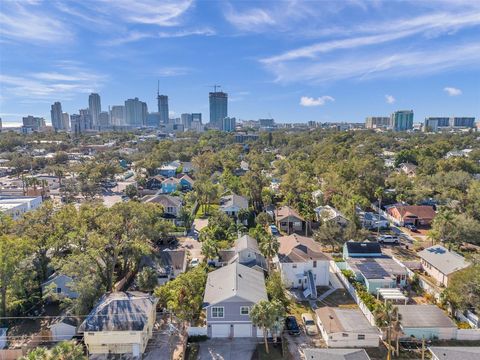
{"points": [[215, 86]]}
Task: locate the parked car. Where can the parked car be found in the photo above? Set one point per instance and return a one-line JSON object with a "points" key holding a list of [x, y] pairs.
{"points": [[310, 326], [274, 231], [194, 262], [291, 325], [387, 239], [411, 227]]}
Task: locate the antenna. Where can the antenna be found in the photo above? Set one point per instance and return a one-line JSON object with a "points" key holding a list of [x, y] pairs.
{"points": [[215, 86]]}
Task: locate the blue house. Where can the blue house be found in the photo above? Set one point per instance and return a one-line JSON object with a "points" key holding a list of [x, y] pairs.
{"points": [[354, 249], [170, 185], [186, 182]]}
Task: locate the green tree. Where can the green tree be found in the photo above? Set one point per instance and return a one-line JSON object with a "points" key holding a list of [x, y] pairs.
{"points": [[276, 288], [463, 290], [330, 234], [268, 245], [210, 248], [267, 315], [65, 350], [263, 219], [388, 318], [131, 191], [147, 279]]}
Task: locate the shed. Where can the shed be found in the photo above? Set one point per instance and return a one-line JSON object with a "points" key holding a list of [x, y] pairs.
{"points": [[63, 329]]}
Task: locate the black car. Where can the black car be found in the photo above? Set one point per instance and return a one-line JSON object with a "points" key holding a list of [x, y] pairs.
{"points": [[411, 227], [291, 325]]}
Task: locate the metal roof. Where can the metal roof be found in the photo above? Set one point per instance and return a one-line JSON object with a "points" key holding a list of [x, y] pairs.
{"points": [[424, 316], [335, 354], [455, 352], [445, 261]]}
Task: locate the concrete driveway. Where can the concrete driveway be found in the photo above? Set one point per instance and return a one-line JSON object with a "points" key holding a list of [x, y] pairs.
{"points": [[227, 349]]}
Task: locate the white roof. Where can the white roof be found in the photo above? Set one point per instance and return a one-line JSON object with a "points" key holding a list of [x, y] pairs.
{"points": [[445, 261]]}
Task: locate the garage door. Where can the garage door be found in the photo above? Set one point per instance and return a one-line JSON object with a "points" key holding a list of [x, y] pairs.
{"points": [[221, 330], [242, 330]]}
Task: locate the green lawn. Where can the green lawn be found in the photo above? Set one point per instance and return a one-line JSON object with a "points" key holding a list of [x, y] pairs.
{"points": [[202, 215], [275, 353]]}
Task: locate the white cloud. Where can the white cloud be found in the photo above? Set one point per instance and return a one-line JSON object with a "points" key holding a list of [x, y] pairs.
{"points": [[183, 33], [451, 91], [249, 19], [389, 99], [173, 71], [320, 101]]}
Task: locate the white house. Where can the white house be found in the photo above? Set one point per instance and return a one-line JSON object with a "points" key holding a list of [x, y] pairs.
{"points": [[302, 263], [346, 328], [440, 263], [60, 284], [16, 206], [232, 204], [327, 214]]}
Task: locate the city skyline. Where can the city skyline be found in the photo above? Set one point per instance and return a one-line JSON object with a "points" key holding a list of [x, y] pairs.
{"points": [[425, 57]]}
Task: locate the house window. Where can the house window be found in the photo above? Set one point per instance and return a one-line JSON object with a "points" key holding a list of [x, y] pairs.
{"points": [[294, 266], [59, 290], [217, 311], [283, 224], [344, 335], [244, 310], [314, 263], [361, 337], [300, 281]]}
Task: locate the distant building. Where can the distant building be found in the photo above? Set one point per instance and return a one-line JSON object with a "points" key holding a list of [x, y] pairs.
{"points": [[163, 108], [94, 107], [79, 123], [66, 121], [229, 124], [33, 123], [401, 120], [466, 122], [377, 122], [56, 115], [103, 119], [266, 122], [197, 117], [117, 115], [153, 119], [186, 120], [136, 112], [16, 206], [435, 124], [218, 108]]}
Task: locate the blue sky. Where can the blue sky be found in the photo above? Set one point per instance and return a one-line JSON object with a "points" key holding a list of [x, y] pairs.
{"points": [[292, 60]]}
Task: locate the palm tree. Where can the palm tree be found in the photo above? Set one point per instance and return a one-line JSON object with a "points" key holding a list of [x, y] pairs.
{"points": [[210, 248], [379, 193], [269, 246], [68, 350], [388, 318], [443, 228], [267, 315]]}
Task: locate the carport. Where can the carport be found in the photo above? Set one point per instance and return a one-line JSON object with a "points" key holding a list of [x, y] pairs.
{"points": [[391, 294]]}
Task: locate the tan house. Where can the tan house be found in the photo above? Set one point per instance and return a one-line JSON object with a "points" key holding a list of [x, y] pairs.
{"points": [[120, 323], [440, 263], [289, 221], [418, 215]]}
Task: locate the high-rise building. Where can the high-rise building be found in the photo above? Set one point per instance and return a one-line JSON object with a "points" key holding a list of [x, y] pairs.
{"points": [[466, 122], [153, 119], [186, 120], [81, 122], [56, 116], [136, 112], [95, 107], [66, 121], [197, 117], [377, 122], [218, 108], [401, 120], [162, 108], [33, 123], [266, 122], [117, 115], [229, 124], [441, 123], [103, 119]]}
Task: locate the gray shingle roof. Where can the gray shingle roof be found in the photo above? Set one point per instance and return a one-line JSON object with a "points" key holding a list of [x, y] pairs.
{"points": [[424, 316], [234, 200], [446, 261], [336, 354], [456, 352], [246, 242], [120, 311], [234, 280]]}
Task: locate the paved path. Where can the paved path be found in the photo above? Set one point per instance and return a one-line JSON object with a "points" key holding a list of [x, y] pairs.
{"points": [[227, 349]]}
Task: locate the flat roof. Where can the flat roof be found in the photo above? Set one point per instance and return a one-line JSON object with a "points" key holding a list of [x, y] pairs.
{"points": [[424, 316], [456, 352], [344, 320], [376, 268]]}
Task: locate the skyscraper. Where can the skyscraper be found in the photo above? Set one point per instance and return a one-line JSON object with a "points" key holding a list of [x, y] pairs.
{"points": [[56, 116], [33, 123], [117, 115], [135, 112], [218, 108], [66, 121], [229, 124], [163, 108], [81, 122], [377, 122], [401, 120], [95, 107], [103, 119], [186, 120], [197, 117]]}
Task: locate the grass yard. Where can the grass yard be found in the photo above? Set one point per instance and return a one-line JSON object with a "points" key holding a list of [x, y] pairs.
{"points": [[210, 209], [339, 298], [275, 352], [298, 308]]}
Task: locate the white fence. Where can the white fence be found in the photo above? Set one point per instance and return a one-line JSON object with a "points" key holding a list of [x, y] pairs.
{"points": [[197, 331], [468, 334], [353, 293]]}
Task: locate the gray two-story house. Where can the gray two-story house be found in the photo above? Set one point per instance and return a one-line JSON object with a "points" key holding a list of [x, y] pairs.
{"points": [[230, 293]]}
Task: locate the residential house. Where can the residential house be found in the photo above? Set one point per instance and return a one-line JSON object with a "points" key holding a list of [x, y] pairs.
{"points": [[170, 169], [409, 169], [172, 205], [335, 354], [327, 214], [372, 221], [232, 204], [378, 273], [64, 328], [245, 252], [455, 352], [289, 221], [186, 183], [16, 206], [121, 323], [426, 322], [418, 215], [317, 197], [61, 285], [230, 293], [155, 182], [346, 328], [303, 264], [170, 185], [169, 264], [356, 249], [441, 263]]}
